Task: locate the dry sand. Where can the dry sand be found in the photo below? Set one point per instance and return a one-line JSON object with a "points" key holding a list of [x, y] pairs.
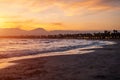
{"points": [[98, 64]]}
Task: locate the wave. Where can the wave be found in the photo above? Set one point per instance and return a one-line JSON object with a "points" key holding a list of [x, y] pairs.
{"points": [[18, 47]]}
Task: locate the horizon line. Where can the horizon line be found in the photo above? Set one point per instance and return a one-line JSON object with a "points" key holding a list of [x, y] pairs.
{"points": [[62, 29]]}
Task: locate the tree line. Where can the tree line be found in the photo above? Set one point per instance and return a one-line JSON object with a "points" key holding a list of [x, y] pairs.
{"points": [[98, 35]]}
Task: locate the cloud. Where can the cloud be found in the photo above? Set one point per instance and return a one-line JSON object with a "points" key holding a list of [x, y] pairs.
{"points": [[73, 7], [57, 24], [90, 6], [69, 7]]}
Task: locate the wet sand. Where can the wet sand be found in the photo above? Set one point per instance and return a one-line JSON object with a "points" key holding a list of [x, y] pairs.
{"points": [[97, 64]]}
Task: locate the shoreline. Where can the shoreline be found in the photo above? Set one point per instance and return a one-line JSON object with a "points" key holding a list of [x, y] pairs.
{"points": [[101, 64], [20, 54]]}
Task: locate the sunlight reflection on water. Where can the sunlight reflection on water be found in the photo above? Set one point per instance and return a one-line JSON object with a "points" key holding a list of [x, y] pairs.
{"points": [[51, 47]]}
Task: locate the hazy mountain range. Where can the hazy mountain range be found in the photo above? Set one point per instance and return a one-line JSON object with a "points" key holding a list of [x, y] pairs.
{"points": [[36, 32]]}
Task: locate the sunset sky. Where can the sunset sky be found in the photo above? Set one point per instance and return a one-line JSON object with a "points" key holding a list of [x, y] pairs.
{"points": [[60, 14]]}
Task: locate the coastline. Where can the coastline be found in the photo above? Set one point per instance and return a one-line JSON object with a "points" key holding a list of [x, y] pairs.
{"points": [[101, 64]]}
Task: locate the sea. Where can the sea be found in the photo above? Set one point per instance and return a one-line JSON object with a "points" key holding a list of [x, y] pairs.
{"points": [[24, 47]]}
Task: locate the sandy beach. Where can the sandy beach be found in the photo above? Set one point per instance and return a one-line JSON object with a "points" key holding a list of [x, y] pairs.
{"points": [[96, 64], [59, 39]]}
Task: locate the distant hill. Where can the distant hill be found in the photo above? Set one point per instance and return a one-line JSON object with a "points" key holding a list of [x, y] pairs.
{"points": [[71, 32], [12, 31], [19, 32], [37, 32]]}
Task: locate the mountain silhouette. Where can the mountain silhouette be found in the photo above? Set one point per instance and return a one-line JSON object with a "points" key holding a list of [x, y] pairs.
{"points": [[37, 32], [72, 31], [20, 32], [11, 32]]}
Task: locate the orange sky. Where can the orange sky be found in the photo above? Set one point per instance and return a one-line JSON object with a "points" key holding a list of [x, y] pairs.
{"points": [[60, 14]]}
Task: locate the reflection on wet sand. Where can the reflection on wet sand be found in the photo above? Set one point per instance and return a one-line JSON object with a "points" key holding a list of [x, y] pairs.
{"points": [[4, 63]]}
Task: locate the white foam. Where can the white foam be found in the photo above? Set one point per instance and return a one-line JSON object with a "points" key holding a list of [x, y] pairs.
{"points": [[33, 46]]}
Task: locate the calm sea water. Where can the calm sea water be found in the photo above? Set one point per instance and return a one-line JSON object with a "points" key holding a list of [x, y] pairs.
{"points": [[18, 47]]}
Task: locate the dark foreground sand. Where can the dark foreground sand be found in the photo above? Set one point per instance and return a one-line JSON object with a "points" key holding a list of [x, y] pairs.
{"points": [[102, 64]]}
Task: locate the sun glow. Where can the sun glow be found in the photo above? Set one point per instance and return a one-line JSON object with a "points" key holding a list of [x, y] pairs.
{"points": [[2, 22], [61, 15]]}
